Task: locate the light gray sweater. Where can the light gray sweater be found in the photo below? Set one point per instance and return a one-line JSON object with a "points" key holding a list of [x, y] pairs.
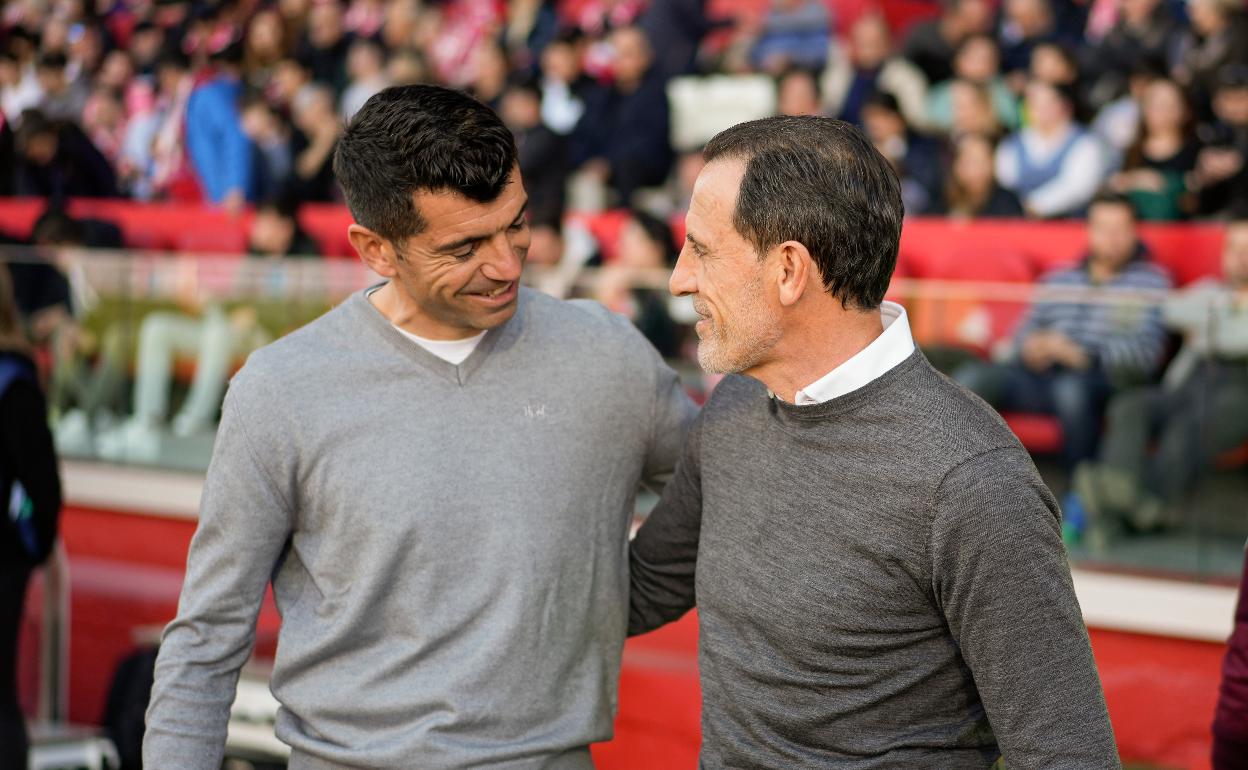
{"points": [[447, 545], [880, 583]]}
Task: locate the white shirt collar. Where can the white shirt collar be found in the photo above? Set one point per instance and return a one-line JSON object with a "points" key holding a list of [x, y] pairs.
{"points": [[894, 345]]}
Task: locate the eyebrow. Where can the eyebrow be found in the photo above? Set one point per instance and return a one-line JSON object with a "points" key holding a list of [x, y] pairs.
{"points": [[471, 239]]}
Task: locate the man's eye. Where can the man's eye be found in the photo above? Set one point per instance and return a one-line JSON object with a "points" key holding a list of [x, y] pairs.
{"points": [[519, 225], [465, 255]]}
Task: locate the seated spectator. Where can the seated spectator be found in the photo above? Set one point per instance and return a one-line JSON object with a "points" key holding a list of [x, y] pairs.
{"points": [[675, 28], [1024, 25], [40, 289], [931, 44], [1118, 123], [1220, 180], [1160, 440], [1070, 353], [971, 191], [63, 97], [289, 77], [915, 158], [366, 67], [19, 85], [56, 160], [314, 115], [634, 284], [325, 44], [264, 45], [219, 149], [1156, 166], [154, 162], [870, 66], [490, 71], [275, 232], [797, 93], [1054, 165], [565, 86], [624, 133], [976, 62], [1215, 39], [1145, 31], [542, 154], [104, 123], [271, 136], [972, 111], [1055, 63], [406, 67], [795, 33]]}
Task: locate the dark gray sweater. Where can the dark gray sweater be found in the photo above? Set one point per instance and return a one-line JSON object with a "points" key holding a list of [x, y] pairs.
{"points": [[880, 583]]}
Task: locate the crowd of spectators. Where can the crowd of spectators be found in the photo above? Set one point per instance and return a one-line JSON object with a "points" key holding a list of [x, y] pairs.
{"points": [[240, 102]]}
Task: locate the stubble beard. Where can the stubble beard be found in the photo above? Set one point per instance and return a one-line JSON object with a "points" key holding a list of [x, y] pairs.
{"points": [[743, 347]]}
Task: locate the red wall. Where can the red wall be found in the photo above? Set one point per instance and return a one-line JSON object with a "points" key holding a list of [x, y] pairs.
{"points": [[127, 570]]}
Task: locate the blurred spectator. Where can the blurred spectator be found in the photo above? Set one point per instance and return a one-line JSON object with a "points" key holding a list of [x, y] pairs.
{"points": [[531, 25], [1156, 166], [1230, 724], [1160, 440], [275, 232], [289, 78], [565, 87], [490, 78], [971, 191], [1054, 165], [367, 68], [220, 151], [1070, 352], [543, 154], [1118, 123], [264, 46], [931, 44], [325, 44], [797, 93], [104, 123], [627, 286], [675, 29], [63, 98], [270, 135], [313, 146], [1145, 31], [977, 62], [19, 86], [870, 66], [154, 160], [1055, 63], [1215, 39], [624, 133], [406, 67], [30, 487], [1220, 179], [147, 44], [795, 33], [1024, 25], [40, 289], [365, 18], [972, 111], [915, 158], [56, 160]]}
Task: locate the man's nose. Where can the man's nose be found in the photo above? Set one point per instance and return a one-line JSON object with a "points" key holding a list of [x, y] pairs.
{"points": [[683, 280], [504, 261]]}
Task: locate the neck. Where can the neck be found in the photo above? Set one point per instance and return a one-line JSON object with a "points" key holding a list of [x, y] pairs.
{"points": [[402, 311], [807, 351]]}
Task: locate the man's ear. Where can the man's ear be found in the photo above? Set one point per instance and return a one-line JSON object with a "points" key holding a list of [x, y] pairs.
{"points": [[796, 270], [375, 252]]}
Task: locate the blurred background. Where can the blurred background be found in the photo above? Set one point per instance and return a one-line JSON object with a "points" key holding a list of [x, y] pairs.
{"points": [[1076, 251]]}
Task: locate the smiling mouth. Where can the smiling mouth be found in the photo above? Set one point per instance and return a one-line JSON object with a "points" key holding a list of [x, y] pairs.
{"points": [[493, 293]]}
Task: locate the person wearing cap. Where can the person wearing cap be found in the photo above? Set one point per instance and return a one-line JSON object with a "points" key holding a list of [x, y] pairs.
{"points": [[1054, 165]]}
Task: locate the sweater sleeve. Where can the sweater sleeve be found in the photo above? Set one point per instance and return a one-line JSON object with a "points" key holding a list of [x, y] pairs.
{"points": [[672, 414], [663, 556], [27, 454], [1000, 576], [245, 522]]}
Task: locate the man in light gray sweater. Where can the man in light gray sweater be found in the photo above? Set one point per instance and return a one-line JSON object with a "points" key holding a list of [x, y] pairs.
{"points": [[438, 479], [877, 566]]}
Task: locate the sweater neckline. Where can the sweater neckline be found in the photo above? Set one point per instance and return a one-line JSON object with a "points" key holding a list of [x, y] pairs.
{"points": [[498, 337], [793, 414]]}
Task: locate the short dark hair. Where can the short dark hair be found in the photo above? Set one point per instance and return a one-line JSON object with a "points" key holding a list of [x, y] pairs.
{"points": [[408, 139], [820, 182], [1110, 198]]}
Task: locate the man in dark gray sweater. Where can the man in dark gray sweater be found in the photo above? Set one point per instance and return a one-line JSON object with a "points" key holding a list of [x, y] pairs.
{"points": [[877, 566]]}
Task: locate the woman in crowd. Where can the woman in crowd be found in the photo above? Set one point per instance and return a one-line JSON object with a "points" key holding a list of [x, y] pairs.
{"points": [[971, 191], [1163, 153]]}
